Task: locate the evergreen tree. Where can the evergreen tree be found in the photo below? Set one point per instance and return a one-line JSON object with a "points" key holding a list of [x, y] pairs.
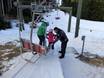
{"points": [[66, 2], [85, 8], [91, 9], [96, 11]]}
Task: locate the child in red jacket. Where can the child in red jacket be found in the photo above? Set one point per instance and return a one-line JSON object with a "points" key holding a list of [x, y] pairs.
{"points": [[51, 38]]}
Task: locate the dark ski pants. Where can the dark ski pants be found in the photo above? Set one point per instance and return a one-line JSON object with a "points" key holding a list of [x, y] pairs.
{"points": [[41, 40], [51, 45], [63, 47]]}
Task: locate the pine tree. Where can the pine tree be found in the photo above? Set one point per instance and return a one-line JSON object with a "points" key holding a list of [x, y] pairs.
{"points": [[91, 9]]}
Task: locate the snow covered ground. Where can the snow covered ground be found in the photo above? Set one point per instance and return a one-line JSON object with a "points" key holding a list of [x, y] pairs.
{"points": [[72, 67]]}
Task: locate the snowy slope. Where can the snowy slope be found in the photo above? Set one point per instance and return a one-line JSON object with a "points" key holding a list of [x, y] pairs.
{"points": [[46, 67], [72, 67]]}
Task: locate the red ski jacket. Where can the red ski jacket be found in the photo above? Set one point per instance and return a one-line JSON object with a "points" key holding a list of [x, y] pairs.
{"points": [[51, 37]]}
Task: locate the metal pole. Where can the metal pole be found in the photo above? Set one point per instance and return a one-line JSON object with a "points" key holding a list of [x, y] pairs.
{"points": [[31, 32], [78, 18], [17, 9], [69, 23], [19, 21], [83, 38]]}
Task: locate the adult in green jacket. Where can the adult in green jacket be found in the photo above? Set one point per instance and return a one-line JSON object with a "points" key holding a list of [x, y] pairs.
{"points": [[41, 33]]}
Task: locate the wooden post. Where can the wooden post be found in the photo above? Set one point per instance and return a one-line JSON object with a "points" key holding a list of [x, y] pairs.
{"points": [[78, 18]]}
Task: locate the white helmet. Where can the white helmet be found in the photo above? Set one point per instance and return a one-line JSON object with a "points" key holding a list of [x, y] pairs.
{"points": [[50, 30]]}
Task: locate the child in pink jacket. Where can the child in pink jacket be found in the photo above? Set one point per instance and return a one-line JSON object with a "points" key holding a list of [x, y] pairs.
{"points": [[51, 38]]}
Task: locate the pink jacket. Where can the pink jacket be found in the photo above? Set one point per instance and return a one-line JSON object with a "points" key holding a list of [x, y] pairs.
{"points": [[51, 37]]}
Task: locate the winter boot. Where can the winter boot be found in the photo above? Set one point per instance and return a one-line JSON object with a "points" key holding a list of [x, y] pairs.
{"points": [[61, 57], [60, 51]]}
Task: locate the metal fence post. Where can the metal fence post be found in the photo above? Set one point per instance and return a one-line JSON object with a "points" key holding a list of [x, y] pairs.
{"points": [[83, 38]]}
